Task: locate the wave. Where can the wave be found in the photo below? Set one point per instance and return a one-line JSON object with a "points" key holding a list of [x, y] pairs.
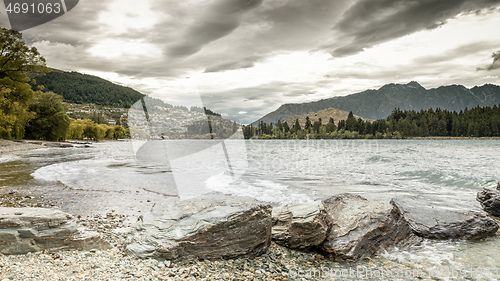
{"points": [[261, 189]]}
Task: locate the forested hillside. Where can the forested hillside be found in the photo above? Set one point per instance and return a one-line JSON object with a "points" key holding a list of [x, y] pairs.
{"points": [[82, 88]]}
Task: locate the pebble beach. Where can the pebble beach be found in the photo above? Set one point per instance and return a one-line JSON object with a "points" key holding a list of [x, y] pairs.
{"points": [[278, 263]]}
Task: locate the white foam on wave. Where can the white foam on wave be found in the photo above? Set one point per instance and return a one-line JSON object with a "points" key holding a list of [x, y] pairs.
{"points": [[66, 173], [9, 158], [429, 254], [262, 189]]}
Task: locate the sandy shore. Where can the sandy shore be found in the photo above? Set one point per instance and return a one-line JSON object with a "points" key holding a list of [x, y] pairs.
{"points": [[10, 146]]}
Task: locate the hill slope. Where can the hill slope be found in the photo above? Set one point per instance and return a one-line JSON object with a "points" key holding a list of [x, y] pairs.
{"points": [[324, 114], [378, 104], [82, 88]]}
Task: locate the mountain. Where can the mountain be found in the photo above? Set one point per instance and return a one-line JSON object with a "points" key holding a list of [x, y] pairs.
{"points": [[325, 116], [378, 104], [82, 88]]}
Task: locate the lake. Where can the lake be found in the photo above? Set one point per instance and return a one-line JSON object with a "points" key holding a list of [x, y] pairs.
{"points": [[130, 177]]}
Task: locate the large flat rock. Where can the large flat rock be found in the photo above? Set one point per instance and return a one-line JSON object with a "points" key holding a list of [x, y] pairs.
{"points": [[490, 201], [361, 227], [24, 230], [210, 226], [444, 218], [300, 225]]}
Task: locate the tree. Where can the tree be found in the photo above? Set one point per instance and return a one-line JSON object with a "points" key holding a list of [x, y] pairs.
{"points": [[286, 128], [50, 121], [119, 132], [98, 117], [76, 129], [308, 123], [296, 127], [317, 125], [16, 60], [351, 123], [330, 126]]}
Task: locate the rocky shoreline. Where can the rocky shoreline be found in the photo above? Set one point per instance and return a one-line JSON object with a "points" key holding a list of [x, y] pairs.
{"points": [[276, 263]]}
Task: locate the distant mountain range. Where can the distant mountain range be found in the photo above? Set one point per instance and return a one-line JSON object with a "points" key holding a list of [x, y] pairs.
{"points": [[378, 104], [82, 88]]}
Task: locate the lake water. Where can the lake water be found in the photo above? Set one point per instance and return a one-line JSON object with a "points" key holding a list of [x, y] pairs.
{"points": [[131, 177]]}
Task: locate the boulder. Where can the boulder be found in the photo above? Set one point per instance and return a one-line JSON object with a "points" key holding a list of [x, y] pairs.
{"points": [[300, 225], [209, 227], [24, 230], [490, 201], [444, 218], [361, 227]]}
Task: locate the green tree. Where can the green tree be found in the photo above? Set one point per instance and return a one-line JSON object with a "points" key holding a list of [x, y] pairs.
{"points": [[50, 121], [16, 60], [76, 129], [296, 127], [351, 123], [330, 126], [317, 125], [98, 117], [119, 132], [286, 128], [308, 123]]}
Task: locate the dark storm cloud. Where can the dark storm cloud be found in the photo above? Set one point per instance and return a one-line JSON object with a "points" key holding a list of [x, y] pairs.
{"points": [[297, 22], [74, 28], [219, 20], [495, 64], [269, 29], [370, 22]]}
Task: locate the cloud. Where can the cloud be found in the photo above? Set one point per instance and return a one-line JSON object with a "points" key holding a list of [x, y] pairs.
{"points": [[232, 65], [257, 101], [458, 52], [300, 93], [219, 20], [367, 22], [495, 64]]}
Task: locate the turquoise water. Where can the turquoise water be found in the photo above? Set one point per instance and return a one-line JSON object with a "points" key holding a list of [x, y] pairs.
{"points": [[109, 176]]}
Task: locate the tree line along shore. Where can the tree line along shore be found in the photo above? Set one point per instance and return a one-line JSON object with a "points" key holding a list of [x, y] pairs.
{"points": [[435, 123]]}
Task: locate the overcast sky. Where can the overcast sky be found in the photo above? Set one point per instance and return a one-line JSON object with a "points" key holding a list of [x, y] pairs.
{"points": [[247, 57]]}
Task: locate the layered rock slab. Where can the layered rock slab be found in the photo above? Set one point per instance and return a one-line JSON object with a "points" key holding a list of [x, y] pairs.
{"points": [[444, 218], [490, 201], [211, 226], [24, 230], [300, 225], [361, 227]]}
